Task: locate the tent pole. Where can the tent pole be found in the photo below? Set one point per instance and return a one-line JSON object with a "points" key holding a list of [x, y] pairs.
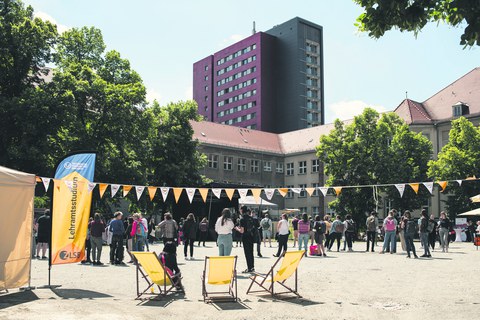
{"points": [[210, 206]]}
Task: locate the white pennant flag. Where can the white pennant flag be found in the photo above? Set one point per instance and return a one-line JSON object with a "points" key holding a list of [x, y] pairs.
{"points": [[269, 193], [242, 192], [139, 190], [69, 184], [190, 193], [46, 183], [114, 188], [164, 191], [91, 186], [429, 186], [217, 192], [401, 189], [324, 190], [296, 190], [459, 182]]}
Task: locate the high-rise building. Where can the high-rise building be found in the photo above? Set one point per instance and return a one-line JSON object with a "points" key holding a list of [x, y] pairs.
{"points": [[271, 81]]}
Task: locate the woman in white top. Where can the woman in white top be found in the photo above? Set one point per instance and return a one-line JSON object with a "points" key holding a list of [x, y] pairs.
{"points": [[223, 227], [283, 232]]}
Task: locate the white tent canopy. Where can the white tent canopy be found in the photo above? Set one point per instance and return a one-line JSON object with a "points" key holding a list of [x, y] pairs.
{"points": [[251, 201], [474, 212]]}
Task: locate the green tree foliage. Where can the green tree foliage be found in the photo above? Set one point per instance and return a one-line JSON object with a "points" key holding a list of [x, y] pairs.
{"points": [[374, 150], [459, 159], [380, 16]]}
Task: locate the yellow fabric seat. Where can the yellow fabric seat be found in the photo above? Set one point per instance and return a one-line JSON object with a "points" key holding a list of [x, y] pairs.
{"points": [[221, 271]]}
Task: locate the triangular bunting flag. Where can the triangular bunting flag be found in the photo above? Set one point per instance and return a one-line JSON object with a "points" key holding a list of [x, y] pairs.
{"points": [[151, 192], [203, 193], [139, 190], [256, 193], [442, 184], [401, 189], [283, 191], [114, 188], [338, 190], [414, 186], [126, 190], [269, 193], [46, 183], [296, 190], [217, 192], [190, 193], [242, 192], [38, 179], [177, 192], [429, 186], [324, 190], [91, 186], [69, 184], [310, 191], [229, 193], [164, 191], [459, 182], [102, 187]]}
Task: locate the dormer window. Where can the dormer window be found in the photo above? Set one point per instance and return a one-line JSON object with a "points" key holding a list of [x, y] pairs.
{"points": [[460, 109]]}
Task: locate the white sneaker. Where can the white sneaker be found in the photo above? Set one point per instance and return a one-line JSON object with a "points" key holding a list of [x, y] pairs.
{"points": [[186, 258]]}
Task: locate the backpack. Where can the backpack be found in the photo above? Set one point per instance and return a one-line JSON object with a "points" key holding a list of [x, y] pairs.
{"points": [[140, 229], [371, 224], [350, 226], [430, 226], [203, 226], [321, 227], [339, 227], [266, 224]]}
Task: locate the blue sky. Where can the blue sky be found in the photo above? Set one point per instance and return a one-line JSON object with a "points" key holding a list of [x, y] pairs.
{"points": [[162, 40]]}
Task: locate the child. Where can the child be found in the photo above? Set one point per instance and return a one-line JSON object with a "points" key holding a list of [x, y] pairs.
{"points": [[168, 257]]}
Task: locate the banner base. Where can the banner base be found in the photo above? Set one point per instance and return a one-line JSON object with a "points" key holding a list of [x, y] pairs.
{"points": [[29, 288], [49, 286]]}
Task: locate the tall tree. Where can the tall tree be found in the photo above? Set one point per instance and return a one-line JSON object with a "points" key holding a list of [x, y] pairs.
{"points": [[380, 16], [374, 150], [459, 159]]}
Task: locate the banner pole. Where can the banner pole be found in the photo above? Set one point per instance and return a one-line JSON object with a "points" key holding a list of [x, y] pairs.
{"points": [[210, 206]]}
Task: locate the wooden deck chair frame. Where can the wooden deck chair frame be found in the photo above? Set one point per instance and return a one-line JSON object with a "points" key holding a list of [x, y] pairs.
{"points": [[220, 296], [166, 285], [267, 281]]}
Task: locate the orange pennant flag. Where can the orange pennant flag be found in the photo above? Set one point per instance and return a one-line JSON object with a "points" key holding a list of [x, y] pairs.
{"points": [[102, 187], [177, 192], [126, 190], [229, 193], [282, 191], [256, 193], [38, 179], [151, 192], [338, 190], [203, 193], [442, 184], [310, 191], [415, 186]]}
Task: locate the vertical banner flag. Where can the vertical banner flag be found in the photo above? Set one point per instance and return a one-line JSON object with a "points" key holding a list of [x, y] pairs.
{"points": [[401, 189], [139, 191], [269, 193], [151, 192], [415, 186], [190, 193], [429, 186], [114, 188], [217, 192], [164, 191], [71, 207]]}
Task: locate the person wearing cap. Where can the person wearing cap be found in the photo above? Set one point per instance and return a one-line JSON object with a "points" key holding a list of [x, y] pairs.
{"points": [[117, 229]]}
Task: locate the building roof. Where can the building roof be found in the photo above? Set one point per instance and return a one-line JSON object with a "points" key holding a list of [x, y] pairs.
{"points": [[412, 112]]}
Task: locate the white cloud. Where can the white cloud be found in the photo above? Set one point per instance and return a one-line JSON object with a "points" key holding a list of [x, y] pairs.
{"points": [[153, 95], [345, 110], [231, 40], [189, 93], [45, 16]]}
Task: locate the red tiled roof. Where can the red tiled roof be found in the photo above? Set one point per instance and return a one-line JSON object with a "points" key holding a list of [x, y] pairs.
{"points": [[412, 112]]}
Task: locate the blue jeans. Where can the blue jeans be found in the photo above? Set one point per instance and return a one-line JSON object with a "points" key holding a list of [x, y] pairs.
{"points": [[409, 244], [390, 240], [138, 243], [224, 242], [424, 239], [303, 237]]}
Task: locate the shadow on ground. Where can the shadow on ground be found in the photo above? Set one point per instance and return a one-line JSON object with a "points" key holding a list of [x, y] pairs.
{"points": [[225, 306], [12, 299], [160, 301], [79, 294]]}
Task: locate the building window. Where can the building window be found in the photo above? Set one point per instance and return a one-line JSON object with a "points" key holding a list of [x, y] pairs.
{"points": [[290, 169], [315, 192], [213, 161], [289, 194], [242, 165], [206, 78], [206, 98], [279, 167], [315, 165], [267, 166], [303, 192], [228, 163], [254, 166], [206, 68], [303, 209], [302, 167], [206, 88], [315, 210]]}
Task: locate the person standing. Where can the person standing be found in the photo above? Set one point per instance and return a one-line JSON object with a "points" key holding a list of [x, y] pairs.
{"points": [[168, 228], [256, 232], [138, 233], [283, 230], [295, 230], [189, 234], [432, 232], [266, 225], [424, 233], [328, 224], [350, 231], [224, 227], [88, 245], [401, 233], [443, 230], [96, 229], [303, 233], [203, 227], [390, 228], [320, 228], [336, 231], [117, 229], [246, 228], [409, 230], [44, 231], [371, 224]]}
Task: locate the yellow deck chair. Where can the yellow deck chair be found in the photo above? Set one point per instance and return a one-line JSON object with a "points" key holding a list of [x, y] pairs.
{"points": [[289, 266], [152, 270], [220, 271]]}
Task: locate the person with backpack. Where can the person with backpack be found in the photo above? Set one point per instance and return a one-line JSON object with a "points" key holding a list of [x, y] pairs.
{"points": [[350, 231], [139, 232], [409, 230], [303, 233], [371, 224], [424, 234], [257, 232], [320, 228], [336, 231], [432, 231], [390, 228], [246, 228], [168, 257], [96, 229], [189, 234], [203, 227], [266, 224]]}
